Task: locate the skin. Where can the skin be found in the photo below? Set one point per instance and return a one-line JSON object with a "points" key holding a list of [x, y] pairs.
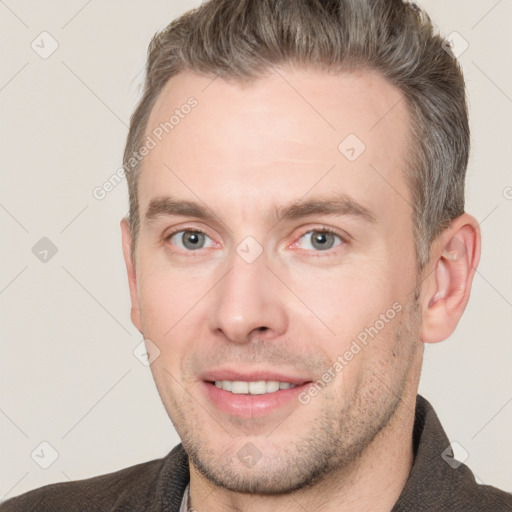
{"points": [[243, 152]]}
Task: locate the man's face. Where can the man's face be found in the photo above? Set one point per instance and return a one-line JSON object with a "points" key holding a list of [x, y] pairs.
{"points": [[262, 289]]}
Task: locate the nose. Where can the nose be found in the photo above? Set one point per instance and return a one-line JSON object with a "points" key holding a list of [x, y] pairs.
{"points": [[248, 302]]}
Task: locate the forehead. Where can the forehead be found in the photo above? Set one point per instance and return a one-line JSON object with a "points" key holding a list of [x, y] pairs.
{"points": [[277, 136]]}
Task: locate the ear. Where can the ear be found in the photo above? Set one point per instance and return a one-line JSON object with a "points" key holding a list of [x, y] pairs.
{"points": [[445, 292], [132, 276]]}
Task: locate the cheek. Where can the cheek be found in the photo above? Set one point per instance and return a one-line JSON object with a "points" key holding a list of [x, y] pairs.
{"points": [[346, 300], [360, 309], [167, 298]]}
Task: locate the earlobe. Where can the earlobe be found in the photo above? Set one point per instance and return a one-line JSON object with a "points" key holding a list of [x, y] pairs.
{"points": [[454, 258], [132, 275]]}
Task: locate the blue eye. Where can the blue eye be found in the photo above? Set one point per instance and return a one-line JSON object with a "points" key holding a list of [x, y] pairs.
{"points": [[322, 239], [190, 240], [318, 240]]}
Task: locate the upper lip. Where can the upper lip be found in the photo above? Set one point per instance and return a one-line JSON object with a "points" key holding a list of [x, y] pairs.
{"points": [[252, 376]]}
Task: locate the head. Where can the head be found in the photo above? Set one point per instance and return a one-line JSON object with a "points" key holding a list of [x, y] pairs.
{"points": [[303, 221]]}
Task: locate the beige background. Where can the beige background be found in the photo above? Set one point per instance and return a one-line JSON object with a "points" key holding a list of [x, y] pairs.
{"points": [[68, 374]]}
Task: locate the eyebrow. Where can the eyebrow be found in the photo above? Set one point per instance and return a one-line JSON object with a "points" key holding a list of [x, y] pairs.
{"points": [[338, 206]]}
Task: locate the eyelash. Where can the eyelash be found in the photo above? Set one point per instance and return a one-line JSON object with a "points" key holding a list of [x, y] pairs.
{"points": [[328, 231], [319, 229]]}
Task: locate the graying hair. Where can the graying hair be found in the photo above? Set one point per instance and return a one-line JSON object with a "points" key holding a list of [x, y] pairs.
{"points": [[244, 39]]}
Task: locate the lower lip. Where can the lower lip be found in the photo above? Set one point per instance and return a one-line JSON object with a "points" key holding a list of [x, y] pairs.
{"points": [[252, 406]]}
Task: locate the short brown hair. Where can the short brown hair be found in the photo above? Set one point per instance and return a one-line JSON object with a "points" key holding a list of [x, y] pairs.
{"points": [[243, 39]]}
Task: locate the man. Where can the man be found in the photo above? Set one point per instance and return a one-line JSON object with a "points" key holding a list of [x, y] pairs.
{"points": [[296, 235]]}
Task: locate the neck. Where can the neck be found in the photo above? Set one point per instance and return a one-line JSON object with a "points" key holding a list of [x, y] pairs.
{"points": [[373, 482]]}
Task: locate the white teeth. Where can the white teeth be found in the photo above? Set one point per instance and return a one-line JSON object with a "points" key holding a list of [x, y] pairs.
{"points": [[257, 388], [253, 388], [272, 386], [239, 387]]}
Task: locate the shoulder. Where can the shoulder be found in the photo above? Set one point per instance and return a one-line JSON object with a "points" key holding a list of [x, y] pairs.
{"points": [[130, 486], [465, 493], [437, 480], [494, 499]]}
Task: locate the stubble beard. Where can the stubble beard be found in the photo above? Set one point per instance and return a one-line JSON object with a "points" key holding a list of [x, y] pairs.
{"points": [[333, 443]]}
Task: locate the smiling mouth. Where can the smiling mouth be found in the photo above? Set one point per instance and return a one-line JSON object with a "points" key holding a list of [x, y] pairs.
{"points": [[260, 387]]}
